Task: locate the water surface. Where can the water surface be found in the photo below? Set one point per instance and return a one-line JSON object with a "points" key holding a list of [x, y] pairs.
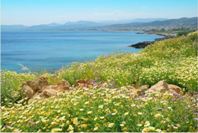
{"points": [[40, 51]]}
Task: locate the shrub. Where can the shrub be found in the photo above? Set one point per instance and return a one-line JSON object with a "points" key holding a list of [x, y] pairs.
{"points": [[11, 86]]}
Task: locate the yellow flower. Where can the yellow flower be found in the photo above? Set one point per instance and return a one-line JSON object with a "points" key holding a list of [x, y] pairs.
{"points": [[178, 125], [75, 121], [125, 129], [95, 118], [147, 123], [139, 125], [163, 122], [83, 125], [43, 120], [86, 102], [170, 108], [85, 119], [148, 129], [133, 105], [89, 112], [110, 124], [56, 130], [157, 115], [16, 130], [114, 113], [70, 128], [95, 128], [100, 106], [158, 130], [139, 113], [54, 123], [62, 118], [102, 117], [121, 124], [81, 109], [126, 113]]}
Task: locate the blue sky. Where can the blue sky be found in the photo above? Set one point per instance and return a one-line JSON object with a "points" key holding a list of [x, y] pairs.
{"points": [[31, 12]]}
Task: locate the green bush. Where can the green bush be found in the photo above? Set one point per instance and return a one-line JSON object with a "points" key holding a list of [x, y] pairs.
{"points": [[11, 86]]}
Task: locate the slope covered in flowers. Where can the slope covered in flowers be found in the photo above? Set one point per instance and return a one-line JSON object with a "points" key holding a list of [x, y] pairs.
{"points": [[111, 108], [173, 60], [101, 109]]}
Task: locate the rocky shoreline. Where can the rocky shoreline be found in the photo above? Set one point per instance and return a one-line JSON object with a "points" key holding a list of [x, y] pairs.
{"points": [[146, 43]]}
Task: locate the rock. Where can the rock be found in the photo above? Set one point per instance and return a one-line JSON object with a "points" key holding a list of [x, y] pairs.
{"points": [[140, 91], [135, 91], [37, 96], [62, 86], [27, 91], [131, 87], [84, 83], [161, 86], [40, 88], [175, 88], [37, 84], [30, 88], [144, 87], [146, 43], [53, 90], [141, 44], [49, 92]]}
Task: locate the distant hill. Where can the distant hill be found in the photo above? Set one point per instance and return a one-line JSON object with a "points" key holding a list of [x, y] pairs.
{"points": [[134, 25], [12, 27], [69, 26], [187, 23]]}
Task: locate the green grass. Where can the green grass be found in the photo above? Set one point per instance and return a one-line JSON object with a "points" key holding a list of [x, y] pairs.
{"points": [[105, 109], [173, 60], [11, 86], [101, 109]]}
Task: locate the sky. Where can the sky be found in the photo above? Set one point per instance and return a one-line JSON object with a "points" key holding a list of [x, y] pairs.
{"points": [[33, 12]]}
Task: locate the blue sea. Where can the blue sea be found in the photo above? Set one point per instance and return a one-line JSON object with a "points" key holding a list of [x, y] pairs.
{"points": [[50, 51]]}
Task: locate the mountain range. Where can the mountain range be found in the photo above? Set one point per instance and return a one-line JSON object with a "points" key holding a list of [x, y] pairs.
{"points": [[127, 25], [169, 24]]}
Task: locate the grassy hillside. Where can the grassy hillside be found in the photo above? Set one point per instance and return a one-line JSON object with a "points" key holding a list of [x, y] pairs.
{"points": [[173, 60], [111, 107]]}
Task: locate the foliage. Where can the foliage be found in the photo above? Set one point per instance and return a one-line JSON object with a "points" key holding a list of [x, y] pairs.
{"points": [[173, 60], [184, 32], [101, 109], [11, 83]]}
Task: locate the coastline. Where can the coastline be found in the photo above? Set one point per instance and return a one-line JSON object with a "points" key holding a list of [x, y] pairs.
{"points": [[143, 44]]}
